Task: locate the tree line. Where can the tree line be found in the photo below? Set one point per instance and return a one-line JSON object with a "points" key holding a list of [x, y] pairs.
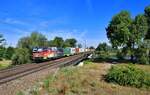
{"points": [[5, 52], [37, 39]]}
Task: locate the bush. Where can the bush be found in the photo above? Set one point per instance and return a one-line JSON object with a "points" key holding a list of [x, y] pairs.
{"points": [[128, 75], [21, 56]]}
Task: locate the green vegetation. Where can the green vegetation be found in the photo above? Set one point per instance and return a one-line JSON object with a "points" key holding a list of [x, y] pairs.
{"points": [[21, 56], [91, 47], [147, 15], [87, 62], [2, 51], [129, 34], [34, 40], [8, 53], [104, 51], [5, 64], [5, 52], [57, 42], [143, 54], [20, 93], [70, 42], [128, 75], [2, 40]]}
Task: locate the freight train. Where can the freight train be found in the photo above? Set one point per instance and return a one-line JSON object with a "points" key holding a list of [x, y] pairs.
{"points": [[46, 53]]}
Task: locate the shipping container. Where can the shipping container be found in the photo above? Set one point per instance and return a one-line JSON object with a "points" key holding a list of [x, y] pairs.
{"points": [[81, 50], [60, 52], [67, 51], [73, 51], [77, 50]]}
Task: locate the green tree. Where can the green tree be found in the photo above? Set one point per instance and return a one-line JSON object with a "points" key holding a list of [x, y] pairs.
{"points": [[24, 42], [70, 42], [34, 40], [79, 45], [2, 51], [2, 48], [143, 53], [103, 50], [125, 32], [138, 30], [8, 53], [58, 42], [147, 15], [118, 31], [37, 40], [102, 47], [50, 43], [91, 47], [1, 40]]}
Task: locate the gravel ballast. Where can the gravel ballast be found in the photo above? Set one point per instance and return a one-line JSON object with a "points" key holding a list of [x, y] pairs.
{"points": [[20, 84]]}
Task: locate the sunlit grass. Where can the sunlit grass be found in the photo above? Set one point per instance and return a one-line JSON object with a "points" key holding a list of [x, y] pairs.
{"points": [[5, 64]]}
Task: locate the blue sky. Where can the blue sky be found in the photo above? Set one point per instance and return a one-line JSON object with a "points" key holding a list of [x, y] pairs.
{"points": [[81, 19]]}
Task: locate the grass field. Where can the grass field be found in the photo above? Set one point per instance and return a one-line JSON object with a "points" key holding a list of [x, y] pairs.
{"points": [[86, 80], [5, 64]]}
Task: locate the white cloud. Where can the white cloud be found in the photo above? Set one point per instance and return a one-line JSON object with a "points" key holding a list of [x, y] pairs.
{"points": [[13, 21], [78, 34]]}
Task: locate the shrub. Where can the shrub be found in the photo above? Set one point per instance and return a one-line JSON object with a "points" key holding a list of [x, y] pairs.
{"points": [[21, 56], [128, 75]]}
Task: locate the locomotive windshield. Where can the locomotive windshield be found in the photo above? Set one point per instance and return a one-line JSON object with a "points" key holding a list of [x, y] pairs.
{"points": [[39, 49]]}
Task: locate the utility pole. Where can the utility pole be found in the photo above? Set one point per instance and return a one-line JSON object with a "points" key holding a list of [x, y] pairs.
{"points": [[85, 43]]}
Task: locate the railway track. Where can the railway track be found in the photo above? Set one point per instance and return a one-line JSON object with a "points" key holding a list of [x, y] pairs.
{"points": [[22, 70]]}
